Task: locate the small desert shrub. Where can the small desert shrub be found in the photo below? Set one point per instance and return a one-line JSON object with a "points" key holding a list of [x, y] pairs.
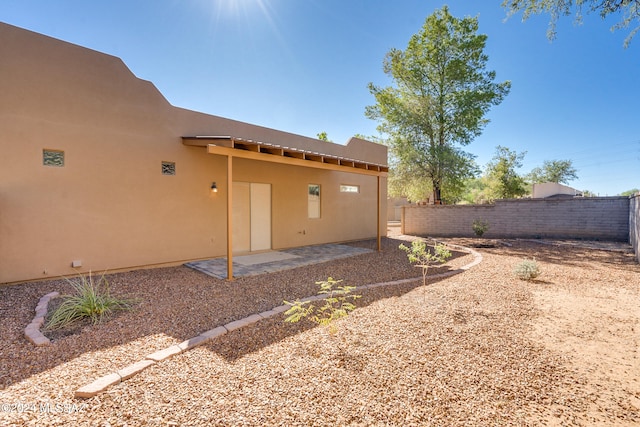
{"points": [[479, 227], [419, 254], [91, 300], [336, 305], [527, 269]]}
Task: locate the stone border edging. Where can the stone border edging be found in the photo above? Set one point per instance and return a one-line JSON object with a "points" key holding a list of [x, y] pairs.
{"points": [[32, 331], [101, 384]]}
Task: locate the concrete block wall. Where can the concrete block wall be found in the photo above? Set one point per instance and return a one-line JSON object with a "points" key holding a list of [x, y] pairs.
{"points": [[634, 224], [605, 218]]}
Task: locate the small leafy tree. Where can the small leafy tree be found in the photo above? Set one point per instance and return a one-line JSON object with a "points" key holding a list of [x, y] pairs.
{"points": [[502, 174], [419, 255], [338, 303]]}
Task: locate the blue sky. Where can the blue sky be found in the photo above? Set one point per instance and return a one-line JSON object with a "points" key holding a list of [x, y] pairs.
{"points": [[303, 66]]}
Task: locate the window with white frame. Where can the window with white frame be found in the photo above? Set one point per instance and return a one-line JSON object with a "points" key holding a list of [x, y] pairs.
{"points": [[344, 188], [313, 198]]}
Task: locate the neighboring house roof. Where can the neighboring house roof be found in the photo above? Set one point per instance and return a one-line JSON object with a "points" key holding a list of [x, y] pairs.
{"points": [[561, 196], [553, 189]]}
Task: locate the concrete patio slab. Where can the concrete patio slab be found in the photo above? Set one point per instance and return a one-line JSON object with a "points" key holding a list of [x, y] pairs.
{"points": [[267, 262], [263, 258]]}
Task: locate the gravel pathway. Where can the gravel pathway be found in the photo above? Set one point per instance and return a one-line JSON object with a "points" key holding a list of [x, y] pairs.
{"points": [[477, 348]]}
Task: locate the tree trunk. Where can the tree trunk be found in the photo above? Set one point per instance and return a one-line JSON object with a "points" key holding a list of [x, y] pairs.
{"points": [[436, 194]]}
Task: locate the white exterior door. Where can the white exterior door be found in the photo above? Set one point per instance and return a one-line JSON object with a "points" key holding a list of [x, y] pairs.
{"points": [[260, 217], [251, 217]]}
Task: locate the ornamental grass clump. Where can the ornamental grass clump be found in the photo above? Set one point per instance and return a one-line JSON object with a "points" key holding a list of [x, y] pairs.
{"points": [[527, 269], [91, 300], [338, 303]]}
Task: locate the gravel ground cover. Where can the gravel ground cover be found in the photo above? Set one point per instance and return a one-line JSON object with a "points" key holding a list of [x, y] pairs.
{"points": [[478, 348]]}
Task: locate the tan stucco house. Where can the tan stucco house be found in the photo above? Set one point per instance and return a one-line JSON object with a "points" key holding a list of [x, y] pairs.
{"points": [[99, 172]]}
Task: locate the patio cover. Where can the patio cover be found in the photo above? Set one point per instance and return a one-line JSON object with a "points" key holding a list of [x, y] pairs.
{"points": [[231, 147]]}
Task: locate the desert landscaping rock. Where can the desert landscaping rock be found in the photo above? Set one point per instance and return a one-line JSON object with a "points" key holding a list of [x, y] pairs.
{"points": [[189, 344], [478, 348]]}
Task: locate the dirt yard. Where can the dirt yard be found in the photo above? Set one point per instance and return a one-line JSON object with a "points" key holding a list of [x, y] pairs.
{"points": [[478, 348]]}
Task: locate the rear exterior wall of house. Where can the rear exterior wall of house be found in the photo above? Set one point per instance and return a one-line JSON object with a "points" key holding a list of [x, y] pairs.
{"points": [[93, 169]]}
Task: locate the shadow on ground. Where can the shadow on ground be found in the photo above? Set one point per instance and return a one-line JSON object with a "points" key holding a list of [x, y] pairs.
{"points": [[241, 342], [181, 303], [566, 252]]}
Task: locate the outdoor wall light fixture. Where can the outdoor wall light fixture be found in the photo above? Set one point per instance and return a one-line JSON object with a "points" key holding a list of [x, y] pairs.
{"points": [[214, 188]]}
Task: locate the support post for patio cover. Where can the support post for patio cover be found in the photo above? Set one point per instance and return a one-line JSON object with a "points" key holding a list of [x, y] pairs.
{"points": [[378, 216], [379, 244], [229, 217], [225, 146]]}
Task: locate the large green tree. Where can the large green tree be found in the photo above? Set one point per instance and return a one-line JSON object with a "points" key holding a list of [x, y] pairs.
{"points": [[505, 181], [477, 191], [629, 9], [437, 105], [559, 171]]}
